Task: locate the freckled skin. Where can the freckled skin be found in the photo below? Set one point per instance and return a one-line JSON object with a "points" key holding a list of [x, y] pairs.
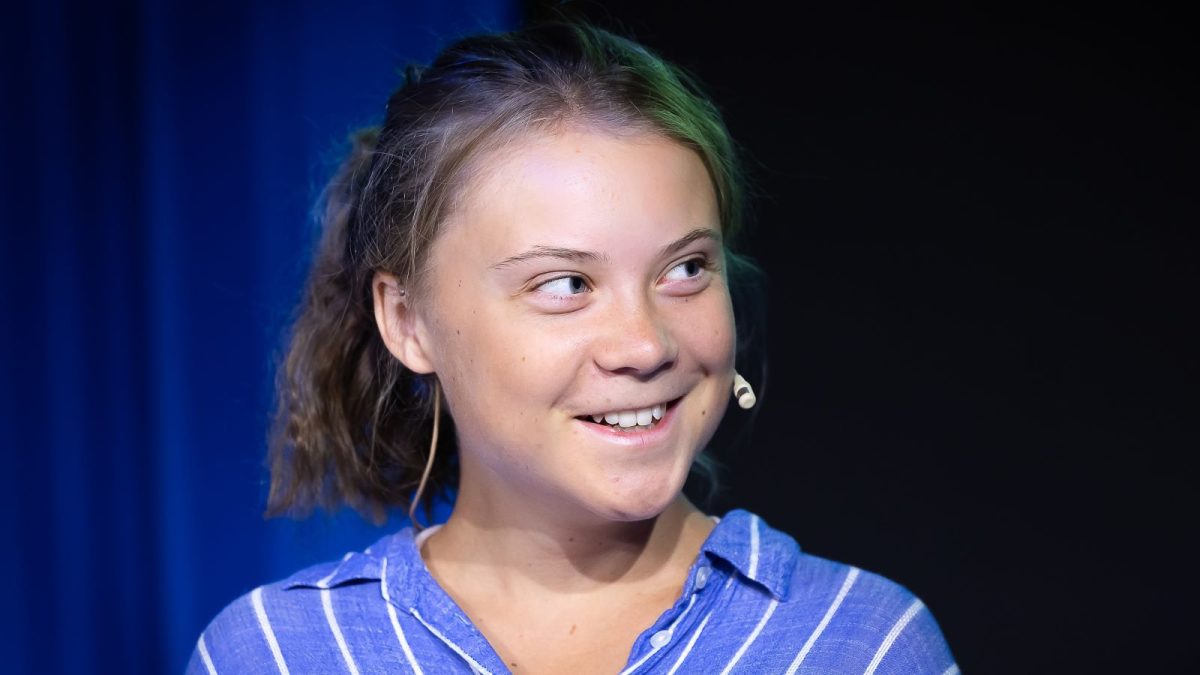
{"points": [[634, 336]]}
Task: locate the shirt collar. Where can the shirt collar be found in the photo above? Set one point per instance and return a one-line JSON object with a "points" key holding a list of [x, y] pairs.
{"points": [[354, 567], [758, 552], [393, 560]]}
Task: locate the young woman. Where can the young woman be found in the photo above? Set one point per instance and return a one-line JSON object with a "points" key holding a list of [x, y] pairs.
{"points": [[533, 249]]}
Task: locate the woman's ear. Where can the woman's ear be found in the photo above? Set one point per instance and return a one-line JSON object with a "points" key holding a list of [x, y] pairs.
{"points": [[401, 328]]}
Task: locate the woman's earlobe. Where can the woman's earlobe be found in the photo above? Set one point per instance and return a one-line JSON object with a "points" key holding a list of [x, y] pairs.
{"points": [[399, 324]]}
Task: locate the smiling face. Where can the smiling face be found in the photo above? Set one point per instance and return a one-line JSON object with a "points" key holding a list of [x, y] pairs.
{"points": [[580, 277]]}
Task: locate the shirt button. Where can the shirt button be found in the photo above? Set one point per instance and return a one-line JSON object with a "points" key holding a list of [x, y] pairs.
{"points": [[702, 577], [660, 638]]}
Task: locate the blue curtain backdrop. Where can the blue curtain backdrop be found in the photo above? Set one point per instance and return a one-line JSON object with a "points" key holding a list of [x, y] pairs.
{"points": [[160, 162]]}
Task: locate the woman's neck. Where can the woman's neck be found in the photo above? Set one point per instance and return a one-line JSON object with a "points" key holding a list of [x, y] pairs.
{"points": [[520, 555]]}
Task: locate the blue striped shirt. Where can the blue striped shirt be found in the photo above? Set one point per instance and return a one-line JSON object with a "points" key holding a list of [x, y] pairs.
{"points": [[752, 603]]}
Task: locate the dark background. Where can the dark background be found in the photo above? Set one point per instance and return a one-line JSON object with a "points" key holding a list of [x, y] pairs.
{"points": [[980, 252], [978, 226]]}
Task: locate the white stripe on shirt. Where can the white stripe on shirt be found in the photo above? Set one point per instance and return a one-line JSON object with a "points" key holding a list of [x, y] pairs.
{"points": [[753, 636], [833, 608], [203, 649], [327, 602], [691, 643], [261, 612], [952, 670], [412, 660], [475, 665], [753, 548], [893, 634], [696, 633], [670, 629]]}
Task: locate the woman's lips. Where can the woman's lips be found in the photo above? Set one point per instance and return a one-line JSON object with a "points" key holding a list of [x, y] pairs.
{"points": [[636, 435]]}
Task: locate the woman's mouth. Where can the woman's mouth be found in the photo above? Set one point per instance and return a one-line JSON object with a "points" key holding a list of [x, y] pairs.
{"points": [[632, 420]]}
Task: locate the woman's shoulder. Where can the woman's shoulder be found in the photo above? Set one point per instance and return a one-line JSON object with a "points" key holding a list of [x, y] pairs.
{"points": [[247, 631], [776, 560], [836, 606]]}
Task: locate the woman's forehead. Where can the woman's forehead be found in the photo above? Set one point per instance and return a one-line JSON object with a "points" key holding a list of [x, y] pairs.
{"points": [[589, 185]]}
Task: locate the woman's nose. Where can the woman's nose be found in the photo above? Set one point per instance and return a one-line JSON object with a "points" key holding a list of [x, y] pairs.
{"points": [[638, 340]]}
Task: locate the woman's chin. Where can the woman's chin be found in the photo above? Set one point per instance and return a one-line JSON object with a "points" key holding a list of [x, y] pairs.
{"points": [[638, 503]]}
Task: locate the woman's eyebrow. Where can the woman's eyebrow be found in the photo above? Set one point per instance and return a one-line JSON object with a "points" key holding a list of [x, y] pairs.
{"points": [[572, 254], [682, 242], [576, 255]]}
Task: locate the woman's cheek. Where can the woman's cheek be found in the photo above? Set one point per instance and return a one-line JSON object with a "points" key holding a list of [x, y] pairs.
{"points": [[706, 325]]}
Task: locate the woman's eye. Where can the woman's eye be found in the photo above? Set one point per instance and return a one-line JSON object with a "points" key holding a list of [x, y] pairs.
{"points": [[569, 285], [688, 269]]}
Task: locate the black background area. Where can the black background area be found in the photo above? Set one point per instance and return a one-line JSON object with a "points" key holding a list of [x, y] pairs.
{"points": [[978, 228]]}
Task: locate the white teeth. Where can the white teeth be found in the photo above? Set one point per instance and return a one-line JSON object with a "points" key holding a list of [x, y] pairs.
{"points": [[627, 419]]}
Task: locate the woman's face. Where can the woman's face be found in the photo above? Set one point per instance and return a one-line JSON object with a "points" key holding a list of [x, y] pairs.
{"points": [[581, 275]]}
